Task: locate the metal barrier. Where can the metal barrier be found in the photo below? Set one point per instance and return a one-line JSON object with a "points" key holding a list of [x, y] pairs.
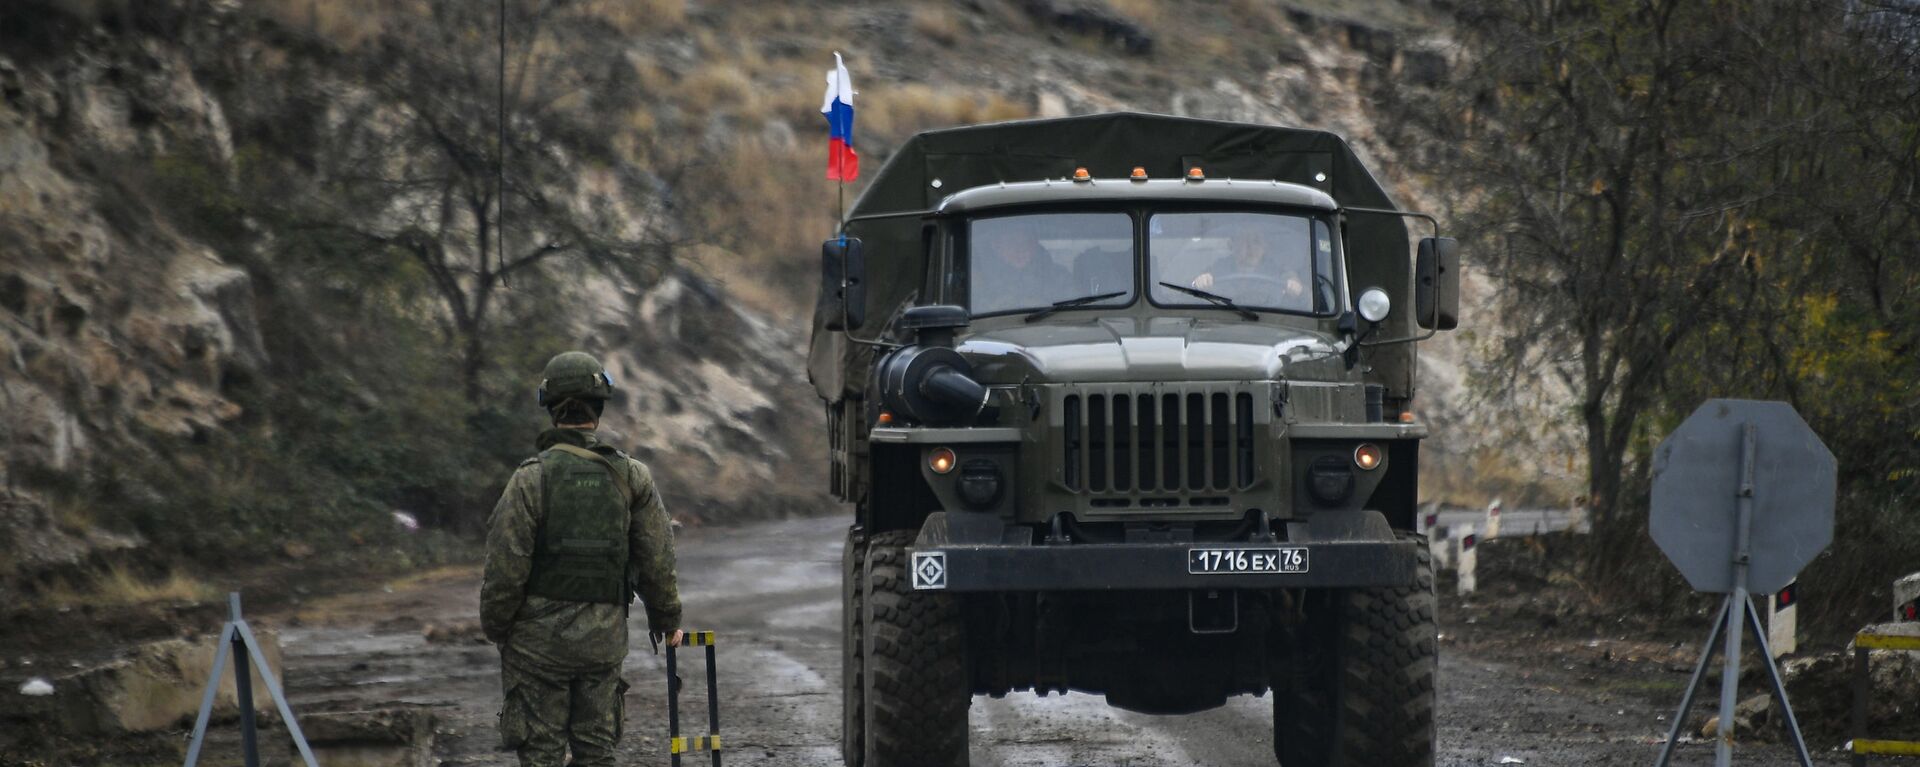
{"points": [[710, 742], [1861, 746]]}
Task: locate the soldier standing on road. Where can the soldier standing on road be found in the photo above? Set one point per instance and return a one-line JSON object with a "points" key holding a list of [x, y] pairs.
{"points": [[579, 531]]}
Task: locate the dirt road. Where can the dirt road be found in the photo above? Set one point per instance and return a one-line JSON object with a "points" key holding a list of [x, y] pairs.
{"points": [[772, 592]]}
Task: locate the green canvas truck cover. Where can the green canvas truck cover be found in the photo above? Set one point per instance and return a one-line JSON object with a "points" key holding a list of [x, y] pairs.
{"points": [[932, 165]]}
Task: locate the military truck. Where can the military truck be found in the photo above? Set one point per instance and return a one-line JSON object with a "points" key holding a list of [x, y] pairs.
{"points": [[1124, 405]]}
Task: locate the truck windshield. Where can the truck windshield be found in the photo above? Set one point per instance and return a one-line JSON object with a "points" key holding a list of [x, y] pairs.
{"points": [[1029, 262], [1265, 261]]}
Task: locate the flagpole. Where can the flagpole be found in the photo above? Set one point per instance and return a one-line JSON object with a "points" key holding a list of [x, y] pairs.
{"points": [[840, 177], [839, 105]]}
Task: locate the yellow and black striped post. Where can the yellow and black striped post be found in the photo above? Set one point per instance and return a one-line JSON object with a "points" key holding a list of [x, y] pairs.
{"points": [[1861, 745], [676, 744]]}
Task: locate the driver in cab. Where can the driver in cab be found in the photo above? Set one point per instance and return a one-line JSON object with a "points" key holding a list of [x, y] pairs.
{"points": [[1011, 270], [1255, 274]]}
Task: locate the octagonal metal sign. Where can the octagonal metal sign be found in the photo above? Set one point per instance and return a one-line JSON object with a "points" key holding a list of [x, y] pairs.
{"points": [[1697, 479]]}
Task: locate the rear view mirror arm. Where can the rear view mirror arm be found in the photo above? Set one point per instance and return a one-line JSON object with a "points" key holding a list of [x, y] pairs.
{"points": [[877, 342], [1431, 221]]}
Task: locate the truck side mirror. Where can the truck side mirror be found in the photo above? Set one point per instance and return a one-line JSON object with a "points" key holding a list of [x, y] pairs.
{"points": [[1436, 293], [843, 289]]}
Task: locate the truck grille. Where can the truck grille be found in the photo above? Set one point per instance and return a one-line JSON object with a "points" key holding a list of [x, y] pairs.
{"points": [[1154, 441]]}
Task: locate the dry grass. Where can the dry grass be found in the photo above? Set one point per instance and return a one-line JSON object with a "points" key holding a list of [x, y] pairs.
{"points": [[119, 585], [1146, 13], [937, 23], [908, 109], [347, 24], [994, 107], [722, 88], [635, 18], [783, 207], [1259, 16], [1213, 47], [71, 516]]}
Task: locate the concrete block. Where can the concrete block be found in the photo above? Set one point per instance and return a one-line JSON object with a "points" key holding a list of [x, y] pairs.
{"points": [[1906, 598]]}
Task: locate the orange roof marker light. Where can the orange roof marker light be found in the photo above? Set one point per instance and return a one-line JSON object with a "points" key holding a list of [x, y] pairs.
{"points": [[1139, 173], [1081, 174], [1196, 174]]}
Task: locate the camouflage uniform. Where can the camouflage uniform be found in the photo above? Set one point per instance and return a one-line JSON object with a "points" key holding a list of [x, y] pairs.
{"points": [[560, 660]]}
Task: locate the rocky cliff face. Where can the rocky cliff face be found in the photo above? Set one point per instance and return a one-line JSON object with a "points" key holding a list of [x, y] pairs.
{"points": [[129, 337], [141, 328], [118, 336]]}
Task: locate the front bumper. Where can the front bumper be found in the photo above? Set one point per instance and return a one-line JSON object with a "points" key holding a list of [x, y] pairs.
{"points": [[1151, 566]]}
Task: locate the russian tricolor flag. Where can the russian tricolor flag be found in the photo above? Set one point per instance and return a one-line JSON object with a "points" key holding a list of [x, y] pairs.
{"points": [[842, 163]]}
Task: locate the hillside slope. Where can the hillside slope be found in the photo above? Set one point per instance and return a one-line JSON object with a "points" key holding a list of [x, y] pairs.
{"points": [[234, 314]]}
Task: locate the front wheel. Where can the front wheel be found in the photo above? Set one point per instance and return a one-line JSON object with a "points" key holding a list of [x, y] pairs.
{"points": [[1365, 691], [915, 671]]}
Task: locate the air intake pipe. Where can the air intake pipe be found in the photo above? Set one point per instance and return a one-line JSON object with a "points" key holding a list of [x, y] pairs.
{"points": [[928, 381]]}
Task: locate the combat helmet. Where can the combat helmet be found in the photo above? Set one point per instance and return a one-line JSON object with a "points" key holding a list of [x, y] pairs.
{"points": [[574, 375]]}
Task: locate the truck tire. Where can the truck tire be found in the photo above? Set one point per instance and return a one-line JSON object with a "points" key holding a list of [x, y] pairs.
{"points": [[853, 720], [1368, 695], [915, 673]]}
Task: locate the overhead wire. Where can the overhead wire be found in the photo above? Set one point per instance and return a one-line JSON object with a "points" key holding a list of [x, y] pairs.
{"points": [[500, 158]]}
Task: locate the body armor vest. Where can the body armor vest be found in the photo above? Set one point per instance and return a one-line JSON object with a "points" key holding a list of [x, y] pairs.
{"points": [[580, 554]]}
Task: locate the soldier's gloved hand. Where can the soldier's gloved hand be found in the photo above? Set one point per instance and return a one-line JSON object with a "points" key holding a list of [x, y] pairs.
{"points": [[672, 640]]}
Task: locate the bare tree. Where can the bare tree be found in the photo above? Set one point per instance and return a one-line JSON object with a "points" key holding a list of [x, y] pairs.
{"points": [[1619, 155], [414, 170]]}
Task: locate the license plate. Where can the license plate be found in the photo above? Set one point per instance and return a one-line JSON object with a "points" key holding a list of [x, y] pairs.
{"points": [[1220, 561]]}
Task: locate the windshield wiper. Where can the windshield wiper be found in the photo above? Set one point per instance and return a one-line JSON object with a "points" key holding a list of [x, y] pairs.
{"points": [[1217, 299], [1073, 302]]}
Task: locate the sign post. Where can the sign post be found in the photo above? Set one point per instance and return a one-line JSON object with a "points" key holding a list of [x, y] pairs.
{"points": [[237, 638], [1742, 499], [1469, 559]]}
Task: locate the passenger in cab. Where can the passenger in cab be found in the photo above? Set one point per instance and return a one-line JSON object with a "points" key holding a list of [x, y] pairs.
{"points": [[1012, 271]]}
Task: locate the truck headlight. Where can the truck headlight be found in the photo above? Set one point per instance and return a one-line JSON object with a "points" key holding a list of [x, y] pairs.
{"points": [[1374, 305], [980, 483]]}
